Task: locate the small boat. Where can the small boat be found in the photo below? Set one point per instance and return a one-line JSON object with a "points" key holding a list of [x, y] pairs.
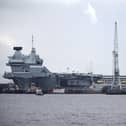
{"points": [[58, 91], [39, 91]]}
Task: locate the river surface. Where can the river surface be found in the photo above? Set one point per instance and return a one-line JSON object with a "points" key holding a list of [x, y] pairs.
{"points": [[62, 110]]}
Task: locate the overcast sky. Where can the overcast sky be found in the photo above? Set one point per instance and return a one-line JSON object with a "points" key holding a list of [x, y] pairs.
{"points": [[77, 34]]}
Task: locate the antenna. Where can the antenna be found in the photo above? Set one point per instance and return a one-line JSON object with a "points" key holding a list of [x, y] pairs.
{"points": [[116, 38], [32, 40]]}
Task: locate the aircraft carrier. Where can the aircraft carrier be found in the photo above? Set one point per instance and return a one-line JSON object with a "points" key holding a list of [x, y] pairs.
{"points": [[28, 71]]}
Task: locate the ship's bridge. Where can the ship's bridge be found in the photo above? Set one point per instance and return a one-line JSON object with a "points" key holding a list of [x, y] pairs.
{"points": [[17, 58]]}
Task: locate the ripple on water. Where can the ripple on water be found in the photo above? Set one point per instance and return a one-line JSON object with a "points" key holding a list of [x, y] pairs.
{"points": [[62, 110]]}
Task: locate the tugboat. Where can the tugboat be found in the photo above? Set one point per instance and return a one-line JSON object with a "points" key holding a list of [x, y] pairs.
{"points": [[39, 91]]}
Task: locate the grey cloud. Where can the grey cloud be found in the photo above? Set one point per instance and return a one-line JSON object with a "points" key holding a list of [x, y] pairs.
{"points": [[64, 37], [34, 3], [109, 1]]}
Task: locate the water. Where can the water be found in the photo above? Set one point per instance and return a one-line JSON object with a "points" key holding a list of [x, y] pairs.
{"points": [[62, 110]]}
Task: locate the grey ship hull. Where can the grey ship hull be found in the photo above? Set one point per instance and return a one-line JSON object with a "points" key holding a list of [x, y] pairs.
{"points": [[45, 83]]}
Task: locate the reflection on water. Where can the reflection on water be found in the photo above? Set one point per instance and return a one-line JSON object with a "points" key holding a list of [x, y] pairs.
{"points": [[62, 110]]}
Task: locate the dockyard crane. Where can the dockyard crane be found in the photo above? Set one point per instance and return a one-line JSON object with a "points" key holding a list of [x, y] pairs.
{"points": [[116, 74]]}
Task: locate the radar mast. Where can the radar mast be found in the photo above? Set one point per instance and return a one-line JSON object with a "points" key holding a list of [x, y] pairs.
{"points": [[32, 41], [33, 49]]}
